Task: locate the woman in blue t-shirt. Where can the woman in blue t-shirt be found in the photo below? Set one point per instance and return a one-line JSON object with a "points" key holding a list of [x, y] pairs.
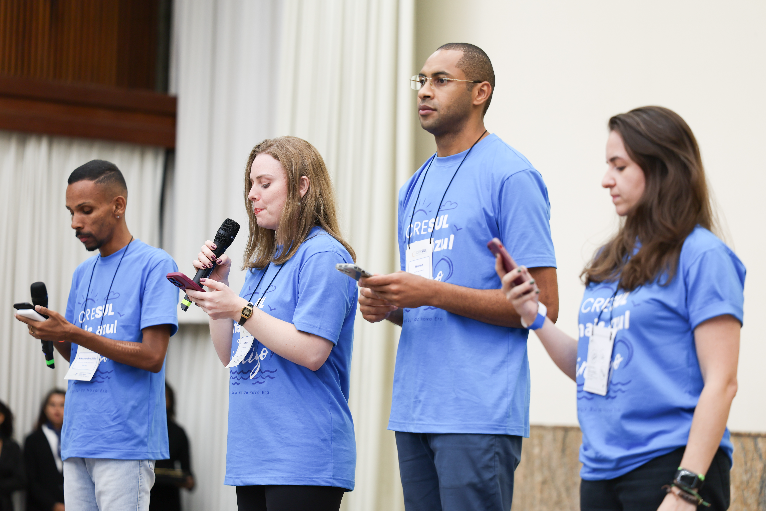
{"points": [[287, 337], [659, 327]]}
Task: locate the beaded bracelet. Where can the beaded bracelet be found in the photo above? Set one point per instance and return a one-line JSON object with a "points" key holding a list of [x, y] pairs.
{"points": [[690, 496]]}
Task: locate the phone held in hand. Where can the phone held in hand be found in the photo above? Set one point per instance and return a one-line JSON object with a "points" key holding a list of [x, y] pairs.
{"points": [[496, 247], [352, 270], [28, 311], [183, 282]]}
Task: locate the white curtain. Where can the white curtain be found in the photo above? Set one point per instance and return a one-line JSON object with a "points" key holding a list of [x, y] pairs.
{"points": [[335, 73], [39, 244]]}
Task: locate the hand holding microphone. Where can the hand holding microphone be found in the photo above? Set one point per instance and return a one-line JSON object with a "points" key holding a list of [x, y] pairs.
{"points": [[223, 239]]}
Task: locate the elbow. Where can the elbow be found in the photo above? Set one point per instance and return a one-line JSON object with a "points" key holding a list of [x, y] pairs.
{"points": [[553, 312], [317, 359], [731, 389], [155, 364]]}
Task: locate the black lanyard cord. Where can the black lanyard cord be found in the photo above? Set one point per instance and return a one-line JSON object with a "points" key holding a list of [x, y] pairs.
{"points": [[87, 293], [415, 206]]}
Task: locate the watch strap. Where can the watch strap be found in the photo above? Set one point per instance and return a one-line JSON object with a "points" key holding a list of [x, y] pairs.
{"points": [[542, 312]]}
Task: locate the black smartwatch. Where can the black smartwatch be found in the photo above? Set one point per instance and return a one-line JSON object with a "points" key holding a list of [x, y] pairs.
{"points": [[688, 480]]}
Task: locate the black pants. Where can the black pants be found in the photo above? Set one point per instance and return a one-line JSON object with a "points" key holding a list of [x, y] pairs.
{"points": [[289, 498], [641, 488]]}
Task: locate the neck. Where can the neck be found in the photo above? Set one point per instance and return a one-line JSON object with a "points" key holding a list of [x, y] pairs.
{"points": [[451, 143], [120, 238]]}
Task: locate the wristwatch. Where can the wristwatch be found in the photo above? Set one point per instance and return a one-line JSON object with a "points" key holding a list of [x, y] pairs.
{"points": [[247, 311], [542, 311], [688, 480]]}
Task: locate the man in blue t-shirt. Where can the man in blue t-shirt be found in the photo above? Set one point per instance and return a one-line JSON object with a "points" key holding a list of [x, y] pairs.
{"points": [[461, 386], [120, 315]]}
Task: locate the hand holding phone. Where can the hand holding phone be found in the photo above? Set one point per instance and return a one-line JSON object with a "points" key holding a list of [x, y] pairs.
{"points": [[183, 282], [28, 311], [352, 270], [496, 247]]}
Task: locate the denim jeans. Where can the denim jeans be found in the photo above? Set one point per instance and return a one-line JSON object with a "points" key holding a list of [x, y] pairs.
{"points": [[94, 484]]}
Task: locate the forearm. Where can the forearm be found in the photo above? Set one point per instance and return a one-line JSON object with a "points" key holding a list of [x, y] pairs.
{"points": [[221, 331], [64, 348], [560, 347], [134, 354], [287, 341], [708, 426], [485, 305]]}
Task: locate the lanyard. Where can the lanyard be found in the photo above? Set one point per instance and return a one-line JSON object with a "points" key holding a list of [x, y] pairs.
{"points": [[274, 278], [414, 207], [610, 301], [110, 285]]}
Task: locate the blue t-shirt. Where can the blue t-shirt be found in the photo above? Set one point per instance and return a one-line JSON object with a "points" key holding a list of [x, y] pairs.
{"points": [[655, 380], [289, 425], [454, 374], [120, 413]]}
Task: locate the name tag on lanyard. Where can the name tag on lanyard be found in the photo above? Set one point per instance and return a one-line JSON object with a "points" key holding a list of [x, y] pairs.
{"points": [[419, 259], [84, 365], [599, 362]]}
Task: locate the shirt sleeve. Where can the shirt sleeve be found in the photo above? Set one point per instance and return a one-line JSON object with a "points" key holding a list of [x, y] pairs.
{"points": [[715, 285], [71, 301], [160, 298], [524, 219], [325, 296]]}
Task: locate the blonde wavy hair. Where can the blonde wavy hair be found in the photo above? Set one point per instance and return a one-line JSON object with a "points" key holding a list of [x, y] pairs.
{"points": [[300, 214]]}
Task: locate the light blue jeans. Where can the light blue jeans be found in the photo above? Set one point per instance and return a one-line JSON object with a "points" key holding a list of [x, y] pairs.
{"points": [[92, 484]]}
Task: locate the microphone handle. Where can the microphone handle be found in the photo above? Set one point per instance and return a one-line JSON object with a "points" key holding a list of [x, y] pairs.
{"points": [[203, 273], [48, 350]]}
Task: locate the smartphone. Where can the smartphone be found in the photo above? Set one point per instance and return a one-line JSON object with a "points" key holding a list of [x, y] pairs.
{"points": [[28, 311], [496, 247], [352, 270], [180, 280]]}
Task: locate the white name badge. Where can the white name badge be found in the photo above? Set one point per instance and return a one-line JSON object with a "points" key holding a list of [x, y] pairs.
{"points": [[599, 362], [245, 343], [84, 366], [420, 259]]}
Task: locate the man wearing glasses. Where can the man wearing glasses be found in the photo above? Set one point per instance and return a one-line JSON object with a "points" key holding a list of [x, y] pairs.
{"points": [[461, 386]]}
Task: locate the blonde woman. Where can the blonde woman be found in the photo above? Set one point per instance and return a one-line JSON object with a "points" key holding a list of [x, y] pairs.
{"points": [[287, 337]]}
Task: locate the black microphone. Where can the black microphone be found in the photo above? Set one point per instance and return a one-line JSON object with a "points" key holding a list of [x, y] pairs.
{"points": [[223, 239], [40, 297]]}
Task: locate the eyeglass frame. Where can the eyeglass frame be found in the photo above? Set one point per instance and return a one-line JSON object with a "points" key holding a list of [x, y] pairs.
{"points": [[416, 80]]}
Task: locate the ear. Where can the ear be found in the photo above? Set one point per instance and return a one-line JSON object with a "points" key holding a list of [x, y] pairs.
{"points": [[119, 203], [304, 186], [482, 93]]}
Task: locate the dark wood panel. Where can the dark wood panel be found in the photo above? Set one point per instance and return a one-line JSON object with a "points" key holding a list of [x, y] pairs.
{"points": [[106, 42], [123, 115]]}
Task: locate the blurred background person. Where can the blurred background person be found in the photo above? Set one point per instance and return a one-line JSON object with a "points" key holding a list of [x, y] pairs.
{"points": [[175, 472], [11, 465], [42, 456]]}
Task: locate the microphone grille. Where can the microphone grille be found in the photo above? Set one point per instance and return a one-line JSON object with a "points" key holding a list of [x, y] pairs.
{"points": [[39, 294], [226, 233]]}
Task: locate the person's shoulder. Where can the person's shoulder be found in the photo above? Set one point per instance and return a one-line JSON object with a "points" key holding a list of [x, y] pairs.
{"points": [[34, 438], [151, 255], [86, 264], [505, 160], [320, 241], [702, 241]]}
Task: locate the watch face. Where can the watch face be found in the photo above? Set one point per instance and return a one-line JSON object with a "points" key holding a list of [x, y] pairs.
{"points": [[688, 479]]}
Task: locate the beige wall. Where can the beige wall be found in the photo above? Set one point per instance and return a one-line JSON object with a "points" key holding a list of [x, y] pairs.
{"points": [[563, 68]]}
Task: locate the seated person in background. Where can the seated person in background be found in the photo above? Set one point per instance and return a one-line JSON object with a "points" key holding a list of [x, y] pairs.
{"points": [[11, 466], [42, 456], [174, 473]]}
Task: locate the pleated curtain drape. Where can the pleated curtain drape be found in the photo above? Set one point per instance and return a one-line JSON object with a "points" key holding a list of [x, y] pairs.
{"points": [[334, 73]]}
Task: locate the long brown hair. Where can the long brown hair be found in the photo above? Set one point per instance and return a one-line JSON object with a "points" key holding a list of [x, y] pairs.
{"points": [[300, 214], [674, 202]]}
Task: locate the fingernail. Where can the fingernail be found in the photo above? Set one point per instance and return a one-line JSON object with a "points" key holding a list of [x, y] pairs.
{"points": [[519, 270], [219, 261], [532, 281], [214, 246], [537, 291]]}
